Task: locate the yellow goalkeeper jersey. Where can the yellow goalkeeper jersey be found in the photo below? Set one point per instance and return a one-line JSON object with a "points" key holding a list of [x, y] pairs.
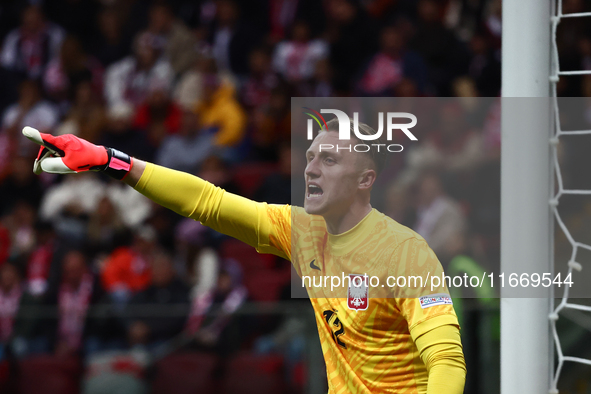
{"points": [[366, 350]]}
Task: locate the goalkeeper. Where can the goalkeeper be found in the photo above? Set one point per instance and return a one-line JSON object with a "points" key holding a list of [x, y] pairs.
{"points": [[392, 344]]}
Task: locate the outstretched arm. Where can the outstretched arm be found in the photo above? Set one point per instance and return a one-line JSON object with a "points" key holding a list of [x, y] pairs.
{"points": [[260, 225], [263, 226]]}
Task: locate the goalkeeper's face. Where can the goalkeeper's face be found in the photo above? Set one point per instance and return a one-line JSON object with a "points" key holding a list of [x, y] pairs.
{"points": [[335, 178]]}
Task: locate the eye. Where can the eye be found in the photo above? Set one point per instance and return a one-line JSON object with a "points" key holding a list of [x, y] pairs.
{"points": [[330, 160]]}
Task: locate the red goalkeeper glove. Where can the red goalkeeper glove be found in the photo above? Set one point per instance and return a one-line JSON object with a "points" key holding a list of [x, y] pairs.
{"points": [[67, 154]]}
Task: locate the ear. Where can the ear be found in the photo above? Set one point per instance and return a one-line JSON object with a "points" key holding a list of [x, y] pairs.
{"points": [[367, 179]]}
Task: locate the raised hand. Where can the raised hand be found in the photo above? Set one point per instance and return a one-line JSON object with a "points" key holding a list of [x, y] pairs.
{"points": [[67, 154]]}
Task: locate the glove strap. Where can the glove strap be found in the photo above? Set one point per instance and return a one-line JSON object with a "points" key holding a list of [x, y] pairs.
{"points": [[119, 164]]}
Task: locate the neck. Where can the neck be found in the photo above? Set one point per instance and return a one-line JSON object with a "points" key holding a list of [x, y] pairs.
{"points": [[342, 223]]}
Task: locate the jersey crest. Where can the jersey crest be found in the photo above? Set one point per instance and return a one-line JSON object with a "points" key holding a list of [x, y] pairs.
{"points": [[358, 293]]}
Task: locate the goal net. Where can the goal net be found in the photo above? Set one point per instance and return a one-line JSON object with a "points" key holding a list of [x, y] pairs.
{"points": [[565, 303]]}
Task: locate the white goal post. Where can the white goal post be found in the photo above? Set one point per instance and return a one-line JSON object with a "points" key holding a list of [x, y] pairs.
{"points": [[526, 221]]}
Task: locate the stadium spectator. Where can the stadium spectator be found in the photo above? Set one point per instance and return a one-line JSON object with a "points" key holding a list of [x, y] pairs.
{"points": [[158, 108], [232, 38], [126, 270], [391, 65], [75, 296], [177, 40], [287, 340], [296, 59], [163, 223], [29, 110], [320, 85], [212, 314], [20, 225], [446, 57], [189, 89], [10, 297], [70, 68], [120, 133], [272, 124], [220, 109], [128, 80], [216, 170], [261, 80], [485, 66], [39, 264], [77, 17], [454, 147], [493, 19], [276, 188], [166, 292], [195, 259], [69, 209], [398, 205], [28, 49], [105, 226], [134, 209], [86, 117], [19, 185], [349, 31], [282, 15], [109, 45], [440, 219], [186, 150]]}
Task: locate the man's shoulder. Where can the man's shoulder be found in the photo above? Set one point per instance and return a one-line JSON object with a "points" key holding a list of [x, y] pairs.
{"points": [[383, 225], [388, 227], [300, 218]]}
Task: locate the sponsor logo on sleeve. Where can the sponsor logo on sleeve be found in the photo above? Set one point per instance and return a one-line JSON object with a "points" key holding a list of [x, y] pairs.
{"points": [[435, 299]]}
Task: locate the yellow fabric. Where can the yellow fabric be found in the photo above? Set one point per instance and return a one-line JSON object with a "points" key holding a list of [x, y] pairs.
{"points": [[366, 351], [225, 113], [441, 351], [225, 212]]}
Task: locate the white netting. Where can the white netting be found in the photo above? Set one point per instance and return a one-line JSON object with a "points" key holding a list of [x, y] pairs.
{"points": [[572, 264]]}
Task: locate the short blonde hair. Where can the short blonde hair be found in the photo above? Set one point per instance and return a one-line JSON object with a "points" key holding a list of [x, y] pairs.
{"points": [[378, 156]]}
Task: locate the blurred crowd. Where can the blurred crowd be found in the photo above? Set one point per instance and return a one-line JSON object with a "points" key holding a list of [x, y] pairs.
{"points": [[205, 87]]}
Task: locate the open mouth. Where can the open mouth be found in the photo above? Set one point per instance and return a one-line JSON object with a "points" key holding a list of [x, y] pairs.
{"points": [[314, 191]]}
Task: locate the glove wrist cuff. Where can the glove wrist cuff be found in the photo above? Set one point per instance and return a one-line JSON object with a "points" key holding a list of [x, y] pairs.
{"points": [[118, 165]]}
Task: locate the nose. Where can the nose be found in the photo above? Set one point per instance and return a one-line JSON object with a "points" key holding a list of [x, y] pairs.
{"points": [[312, 169]]}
